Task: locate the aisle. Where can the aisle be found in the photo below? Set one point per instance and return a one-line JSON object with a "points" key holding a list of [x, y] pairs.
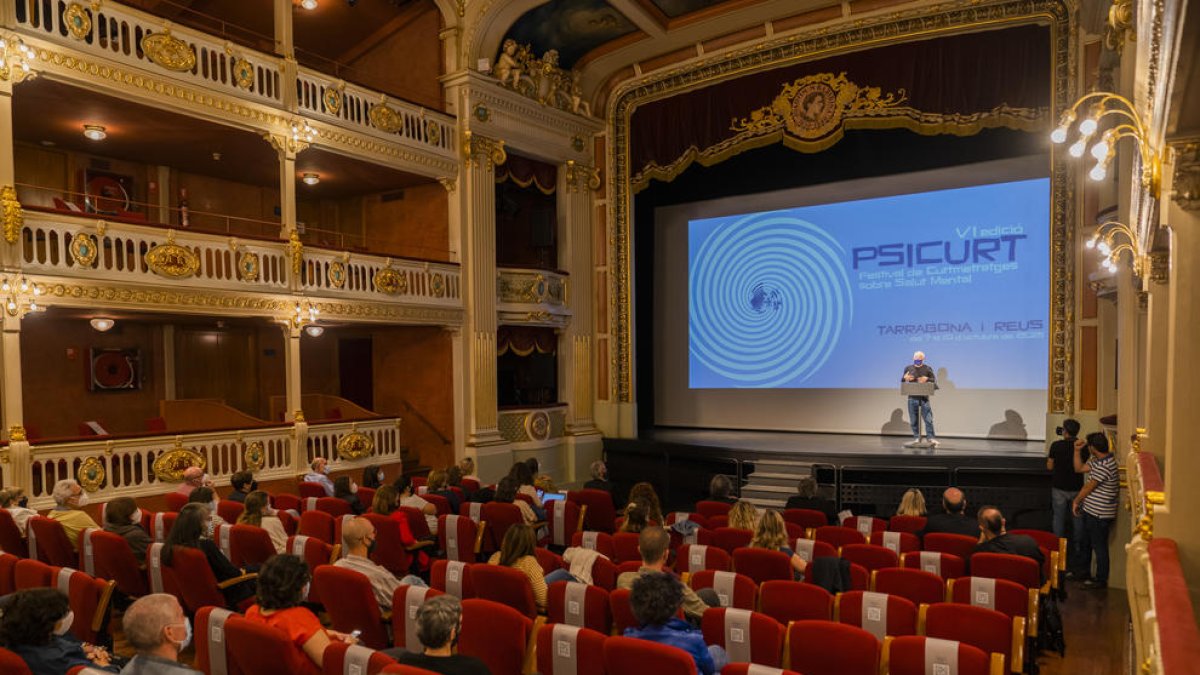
{"points": [[1095, 624]]}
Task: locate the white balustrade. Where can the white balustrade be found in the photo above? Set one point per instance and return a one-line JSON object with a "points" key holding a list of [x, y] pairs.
{"points": [[383, 432], [415, 281]]}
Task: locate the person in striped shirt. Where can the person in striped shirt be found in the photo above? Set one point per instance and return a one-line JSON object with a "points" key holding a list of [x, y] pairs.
{"points": [[1097, 503]]}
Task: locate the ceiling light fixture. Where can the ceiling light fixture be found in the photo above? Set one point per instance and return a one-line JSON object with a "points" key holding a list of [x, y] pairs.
{"points": [[308, 4], [94, 132], [102, 325], [310, 178], [314, 330]]}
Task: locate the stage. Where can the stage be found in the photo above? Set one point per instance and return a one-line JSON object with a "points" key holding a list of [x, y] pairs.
{"points": [[842, 445]]}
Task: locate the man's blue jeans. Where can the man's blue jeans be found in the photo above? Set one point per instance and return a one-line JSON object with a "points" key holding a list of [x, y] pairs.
{"points": [[1096, 543], [1067, 524], [918, 408]]}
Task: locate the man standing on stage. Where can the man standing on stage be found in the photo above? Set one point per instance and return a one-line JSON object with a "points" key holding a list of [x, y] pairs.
{"points": [[919, 371]]}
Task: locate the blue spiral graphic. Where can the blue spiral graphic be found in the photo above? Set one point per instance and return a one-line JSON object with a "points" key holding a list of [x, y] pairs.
{"points": [[768, 299]]}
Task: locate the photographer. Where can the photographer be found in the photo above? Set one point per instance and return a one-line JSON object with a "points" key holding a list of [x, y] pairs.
{"points": [[1066, 483]]}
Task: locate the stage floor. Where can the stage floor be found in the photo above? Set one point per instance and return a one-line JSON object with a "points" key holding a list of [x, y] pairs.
{"points": [[863, 445]]}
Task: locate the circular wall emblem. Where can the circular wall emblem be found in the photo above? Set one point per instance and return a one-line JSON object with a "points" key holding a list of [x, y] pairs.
{"points": [[248, 266], [815, 110], [84, 249], [537, 425], [336, 274]]}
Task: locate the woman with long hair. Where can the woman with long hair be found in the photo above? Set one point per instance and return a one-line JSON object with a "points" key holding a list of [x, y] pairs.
{"points": [[258, 512], [645, 492], [743, 516], [522, 473], [637, 517], [122, 517], [517, 551], [438, 483], [346, 491], [188, 532], [506, 493], [372, 476], [912, 503], [387, 503], [771, 534]]}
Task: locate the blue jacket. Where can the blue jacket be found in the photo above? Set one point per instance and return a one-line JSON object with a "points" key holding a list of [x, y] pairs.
{"points": [[62, 653], [681, 634]]}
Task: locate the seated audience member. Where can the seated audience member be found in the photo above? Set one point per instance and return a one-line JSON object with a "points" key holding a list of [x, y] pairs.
{"points": [[438, 483], [258, 512], [994, 537], [645, 492], [523, 477], [467, 466], [207, 497], [282, 587], [506, 492], [405, 493], [655, 600], [387, 503], [808, 497], [912, 503], [122, 517], [954, 519], [347, 491], [516, 551], [599, 479], [319, 473], [188, 532], [720, 489], [36, 625], [243, 483], [636, 517], [69, 500], [372, 476], [654, 545], [743, 516], [439, 623], [772, 535], [193, 477], [454, 478], [156, 627], [14, 501], [358, 540]]}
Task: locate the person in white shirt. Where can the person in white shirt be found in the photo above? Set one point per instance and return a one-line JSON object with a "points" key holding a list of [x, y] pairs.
{"points": [[258, 512], [358, 540], [13, 500], [319, 473], [404, 488]]}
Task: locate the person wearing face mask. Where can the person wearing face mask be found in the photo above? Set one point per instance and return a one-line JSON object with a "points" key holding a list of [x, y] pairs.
{"points": [[439, 624], [122, 517], [14, 501], [243, 483], [358, 540], [156, 627], [69, 500], [372, 477], [207, 497], [258, 512], [36, 624], [319, 473], [347, 491], [918, 406]]}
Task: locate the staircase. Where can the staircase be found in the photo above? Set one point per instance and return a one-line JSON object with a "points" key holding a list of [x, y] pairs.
{"points": [[773, 481]]}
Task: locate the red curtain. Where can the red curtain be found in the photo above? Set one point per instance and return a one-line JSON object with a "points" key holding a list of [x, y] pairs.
{"points": [[524, 340], [525, 172]]}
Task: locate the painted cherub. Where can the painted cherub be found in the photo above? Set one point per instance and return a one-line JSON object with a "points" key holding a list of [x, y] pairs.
{"points": [[508, 70]]}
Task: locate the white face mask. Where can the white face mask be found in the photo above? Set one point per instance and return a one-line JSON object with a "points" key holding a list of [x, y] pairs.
{"points": [[187, 640], [354, 487], [304, 592], [64, 624], [81, 499], [379, 476]]}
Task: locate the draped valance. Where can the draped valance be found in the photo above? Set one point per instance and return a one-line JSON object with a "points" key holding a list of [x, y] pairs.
{"points": [[959, 85], [524, 340], [525, 172]]}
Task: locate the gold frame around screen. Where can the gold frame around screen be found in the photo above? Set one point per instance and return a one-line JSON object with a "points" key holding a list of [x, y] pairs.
{"points": [[934, 21]]}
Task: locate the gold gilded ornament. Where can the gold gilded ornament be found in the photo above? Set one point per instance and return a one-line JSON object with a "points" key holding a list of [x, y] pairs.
{"points": [[296, 252], [172, 261], [355, 445], [16, 434], [13, 216], [537, 425], [84, 249], [336, 274], [388, 280], [170, 465], [79, 22], [433, 132], [243, 73], [91, 474], [437, 283], [384, 118], [332, 98], [255, 456], [248, 266], [168, 51], [815, 106]]}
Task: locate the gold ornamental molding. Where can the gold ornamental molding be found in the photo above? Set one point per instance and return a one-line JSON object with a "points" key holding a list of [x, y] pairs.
{"points": [[78, 20], [948, 18], [91, 474], [336, 274], [1185, 181], [580, 177], [14, 218], [812, 111], [355, 445], [385, 118], [331, 97], [170, 465], [168, 51], [16, 59], [254, 456], [390, 281], [1119, 27], [296, 252], [84, 249], [477, 148], [249, 266], [523, 287], [171, 260]]}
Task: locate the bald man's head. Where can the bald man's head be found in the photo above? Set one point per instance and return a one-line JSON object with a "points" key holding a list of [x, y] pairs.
{"points": [[991, 522], [953, 500], [357, 533], [193, 475]]}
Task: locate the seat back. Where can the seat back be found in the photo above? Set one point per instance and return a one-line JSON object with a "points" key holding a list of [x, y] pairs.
{"points": [[230, 510], [440, 503], [309, 490], [692, 558], [908, 524], [161, 524], [838, 536], [879, 614], [317, 524], [809, 519], [334, 506], [680, 516], [212, 653], [48, 542], [175, 501], [499, 517], [453, 577], [621, 610], [576, 604], [505, 585], [343, 659], [11, 664], [709, 509], [255, 647], [628, 655], [417, 523], [389, 551], [548, 560], [12, 539], [459, 537], [987, 629], [600, 542], [955, 544], [917, 586], [314, 553], [563, 649], [29, 573], [811, 549], [762, 565], [865, 524], [604, 573], [349, 599], [8, 567], [625, 546], [732, 589], [201, 589], [90, 599], [1018, 568], [286, 502], [828, 648], [600, 512], [945, 565], [870, 556], [897, 542], [1007, 597], [114, 560], [250, 546], [748, 637], [497, 635], [753, 669], [919, 655], [787, 601], [731, 538], [406, 600]]}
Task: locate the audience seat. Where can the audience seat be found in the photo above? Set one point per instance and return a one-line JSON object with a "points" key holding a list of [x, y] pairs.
{"points": [[621, 610], [865, 524], [604, 573], [692, 558], [212, 653], [251, 546], [731, 538], [343, 659], [48, 542], [90, 599], [945, 565], [505, 585], [563, 519], [838, 536], [828, 648], [625, 547], [390, 551], [8, 565], [954, 544], [563, 649], [258, 648], [721, 520], [29, 573], [350, 601], [600, 512], [907, 524], [708, 508], [880, 614], [175, 501], [1022, 570], [600, 542], [499, 636], [733, 590], [1048, 541], [762, 565], [319, 525], [1002, 595], [11, 538], [452, 577], [309, 490], [679, 516], [629, 655], [314, 552], [753, 669], [160, 524], [201, 589], [286, 502], [441, 503], [870, 557], [230, 510], [914, 655], [366, 496], [898, 542], [406, 600], [460, 538], [549, 560], [334, 506], [11, 664], [499, 517], [811, 549], [918, 586], [576, 604], [787, 601], [748, 637], [987, 629], [809, 519]]}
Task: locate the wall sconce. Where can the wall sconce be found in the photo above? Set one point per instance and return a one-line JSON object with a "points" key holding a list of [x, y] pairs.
{"points": [[102, 325], [305, 314], [1101, 104], [20, 296], [1105, 241], [302, 132], [15, 60]]}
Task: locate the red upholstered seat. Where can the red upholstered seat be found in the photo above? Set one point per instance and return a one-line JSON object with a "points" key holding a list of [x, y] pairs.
{"points": [[579, 604], [604, 573], [838, 536], [90, 599], [48, 542], [762, 565], [679, 516], [115, 560], [505, 585], [899, 542], [459, 537], [250, 545], [390, 551], [628, 655], [748, 637], [625, 546], [910, 655], [870, 556], [563, 519], [212, 649], [200, 588], [350, 601], [954, 544], [877, 613], [11, 538], [287, 502], [1024, 571], [29, 573], [229, 510], [752, 669], [708, 509], [718, 521], [731, 538], [945, 565], [340, 658], [11, 664], [734, 590], [8, 565], [787, 601], [314, 552], [918, 586], [175, 501], [621, 610], [255, 647], [159, 525], [828, 648], [582, 647], [319, 525], [311, 490], [495, 634], [909, 524], [809, 519], [597, 541], [452, 577], [1004, 596], [334, 506], [499, 517], [692, 558], [600, 510], [405, 602], [865, 524], [549, 560], [811, 549], [439, 502], [987, 629]]}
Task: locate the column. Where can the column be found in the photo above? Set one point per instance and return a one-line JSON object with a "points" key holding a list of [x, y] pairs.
{"points": [[16, 467], [10, 253], [294, 412], [1157, 335], [284, 33], [287, 187]]}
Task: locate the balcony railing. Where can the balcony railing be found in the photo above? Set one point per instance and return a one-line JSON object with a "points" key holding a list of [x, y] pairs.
{"points": [[534, 426], [121, 33], [532, 296]]}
